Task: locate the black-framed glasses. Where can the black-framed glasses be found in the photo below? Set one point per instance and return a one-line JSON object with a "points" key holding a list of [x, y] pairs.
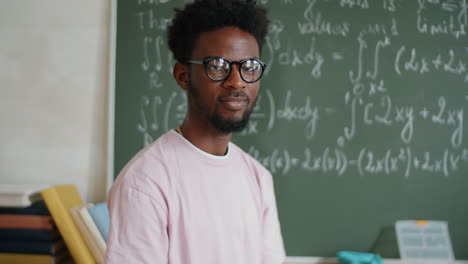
{"points": [[219, 68]]}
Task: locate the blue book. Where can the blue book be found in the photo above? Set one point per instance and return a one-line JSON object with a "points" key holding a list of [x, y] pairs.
{"points": [[100, 215]]}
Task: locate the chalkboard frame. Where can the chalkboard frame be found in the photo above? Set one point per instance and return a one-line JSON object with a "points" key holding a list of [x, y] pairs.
{"points": [[111, 96], [111, 119]]}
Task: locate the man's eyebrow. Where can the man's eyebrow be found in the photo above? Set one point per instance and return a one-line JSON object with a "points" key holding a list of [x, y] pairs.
{"points": [[209, 57]]}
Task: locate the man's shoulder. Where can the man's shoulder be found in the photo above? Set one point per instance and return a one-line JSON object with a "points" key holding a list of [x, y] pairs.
{"points": [[248, 159], [153, 154], [262, 175], [151, 164]]}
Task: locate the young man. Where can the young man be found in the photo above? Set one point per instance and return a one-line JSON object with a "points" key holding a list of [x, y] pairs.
{"points": [[193, 197]]}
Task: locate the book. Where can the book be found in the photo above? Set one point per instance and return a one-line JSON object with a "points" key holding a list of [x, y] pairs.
{"points": [[88, 220], [16, 258], [29, 234], [36, 208], [32, 247], [59, 199], [100, 214], [97, 251], [22, 195], [26, 221]]}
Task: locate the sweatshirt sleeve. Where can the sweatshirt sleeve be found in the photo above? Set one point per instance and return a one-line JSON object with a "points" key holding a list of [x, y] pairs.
{"points": [[273, 248], [138, 227]]}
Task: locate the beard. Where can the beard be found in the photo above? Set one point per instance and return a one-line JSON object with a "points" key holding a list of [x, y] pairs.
{"points": [[222, 124], [229, 126]]}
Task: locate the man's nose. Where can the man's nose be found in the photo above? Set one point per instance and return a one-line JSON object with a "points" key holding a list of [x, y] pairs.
{"points": [[234, 80]]}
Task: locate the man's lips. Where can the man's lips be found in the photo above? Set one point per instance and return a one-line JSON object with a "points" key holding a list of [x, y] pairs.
{"points": [[233, 102]]}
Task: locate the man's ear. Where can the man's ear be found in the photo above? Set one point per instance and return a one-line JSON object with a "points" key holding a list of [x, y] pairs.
{"points": [[181, 75]]}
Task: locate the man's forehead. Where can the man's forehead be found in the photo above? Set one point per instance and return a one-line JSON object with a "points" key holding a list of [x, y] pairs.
{"points": [[229, 42]]}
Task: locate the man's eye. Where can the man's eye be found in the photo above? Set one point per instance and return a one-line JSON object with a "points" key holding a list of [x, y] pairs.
{"points": [[251, 68], [215, 67]]}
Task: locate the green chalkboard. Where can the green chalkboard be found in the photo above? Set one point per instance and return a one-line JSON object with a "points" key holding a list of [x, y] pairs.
{"points": [[360, 118]]}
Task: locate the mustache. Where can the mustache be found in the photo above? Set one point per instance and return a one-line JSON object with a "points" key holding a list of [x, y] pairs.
{"points": [[239, 94]]}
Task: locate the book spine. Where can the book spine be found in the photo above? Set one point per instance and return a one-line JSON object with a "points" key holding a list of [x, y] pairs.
{"points": [[29, 234], [37, 208], [26, 258], [26, 221], [30, 247]]}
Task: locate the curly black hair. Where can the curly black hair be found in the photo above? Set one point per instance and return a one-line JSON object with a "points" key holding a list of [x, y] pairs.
{"points": [[208, 15]]}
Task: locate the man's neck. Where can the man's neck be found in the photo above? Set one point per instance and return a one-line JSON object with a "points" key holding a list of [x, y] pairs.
{"points": [[206, 138]]}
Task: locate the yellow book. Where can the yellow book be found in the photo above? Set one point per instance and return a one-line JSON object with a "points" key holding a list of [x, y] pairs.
{"points": [[59, 199], [25, 258], [10, 258]]}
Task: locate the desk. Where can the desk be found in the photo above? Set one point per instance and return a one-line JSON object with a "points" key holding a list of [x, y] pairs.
{"points": [[317, 260]]}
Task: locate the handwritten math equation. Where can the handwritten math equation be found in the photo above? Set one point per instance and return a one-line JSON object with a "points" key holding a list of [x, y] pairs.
{"points": [[386, 65], [367, 162]]}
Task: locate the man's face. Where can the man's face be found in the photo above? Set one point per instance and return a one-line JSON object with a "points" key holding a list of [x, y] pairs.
{"points": [[225, 104]]}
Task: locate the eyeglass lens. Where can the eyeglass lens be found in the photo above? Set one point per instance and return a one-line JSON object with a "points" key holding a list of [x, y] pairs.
{"points": [[219, 68]]}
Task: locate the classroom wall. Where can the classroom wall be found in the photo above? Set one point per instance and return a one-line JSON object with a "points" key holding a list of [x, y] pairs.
{"points": [[53, 93]]}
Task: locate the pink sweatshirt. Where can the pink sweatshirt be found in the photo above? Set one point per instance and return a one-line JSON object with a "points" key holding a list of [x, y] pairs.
{"points": [[175, 204]]}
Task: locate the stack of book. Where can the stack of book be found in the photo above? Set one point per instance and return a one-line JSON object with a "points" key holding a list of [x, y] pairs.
{"points": [[28, 233], [51, 225]]}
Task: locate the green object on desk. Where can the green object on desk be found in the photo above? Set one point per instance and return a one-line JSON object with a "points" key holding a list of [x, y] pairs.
{"points": [[349, 257]]}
